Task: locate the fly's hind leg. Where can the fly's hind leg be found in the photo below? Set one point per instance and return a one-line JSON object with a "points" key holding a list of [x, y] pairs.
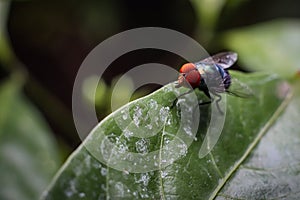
{"points": [[218, 100]]}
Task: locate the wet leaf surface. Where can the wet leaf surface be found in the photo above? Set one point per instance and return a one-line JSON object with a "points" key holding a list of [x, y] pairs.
{"points": [[272, 170], [151, 156]]}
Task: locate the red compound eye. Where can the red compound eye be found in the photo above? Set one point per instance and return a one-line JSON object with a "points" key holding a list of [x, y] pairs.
{"points": [[190, 74], [187, 68]]}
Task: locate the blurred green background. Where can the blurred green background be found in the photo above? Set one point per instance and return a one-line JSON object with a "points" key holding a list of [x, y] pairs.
{"points": [[42, 45]]}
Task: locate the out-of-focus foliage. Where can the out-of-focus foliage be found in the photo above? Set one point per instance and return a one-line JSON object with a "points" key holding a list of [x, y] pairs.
{"points": [[102, 97], [4, 49], [28, 153], [270, 46], [51, 39]]}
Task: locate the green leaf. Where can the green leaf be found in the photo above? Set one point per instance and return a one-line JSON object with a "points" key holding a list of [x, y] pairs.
{"points": [[271, 171], [271, 46], [208, 13], [115, 140], [28, 155]]}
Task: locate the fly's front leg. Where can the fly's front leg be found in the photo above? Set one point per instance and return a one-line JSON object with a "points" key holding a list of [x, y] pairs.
{"points": [[206, 92], [181, 95]]}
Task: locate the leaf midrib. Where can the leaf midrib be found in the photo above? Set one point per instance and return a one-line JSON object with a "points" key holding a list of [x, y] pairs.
{"points": [[269, 123]]}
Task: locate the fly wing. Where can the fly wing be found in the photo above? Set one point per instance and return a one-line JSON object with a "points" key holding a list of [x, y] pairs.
{"points": [[224, 59], [240, 89]]}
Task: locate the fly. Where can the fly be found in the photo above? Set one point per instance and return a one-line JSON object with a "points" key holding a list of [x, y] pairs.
{"points": [[211, 76]]}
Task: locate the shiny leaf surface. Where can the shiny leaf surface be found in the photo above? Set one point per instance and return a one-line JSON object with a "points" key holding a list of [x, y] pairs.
{"points": [[186, 176]]}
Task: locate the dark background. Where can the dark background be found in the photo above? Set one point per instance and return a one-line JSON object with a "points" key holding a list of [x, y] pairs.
{"points": [[51, 39]]}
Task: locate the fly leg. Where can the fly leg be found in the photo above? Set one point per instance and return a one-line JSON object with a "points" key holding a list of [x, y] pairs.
{"points": [[218, 101], [206, 92], [219, 98], [181, 95]]}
